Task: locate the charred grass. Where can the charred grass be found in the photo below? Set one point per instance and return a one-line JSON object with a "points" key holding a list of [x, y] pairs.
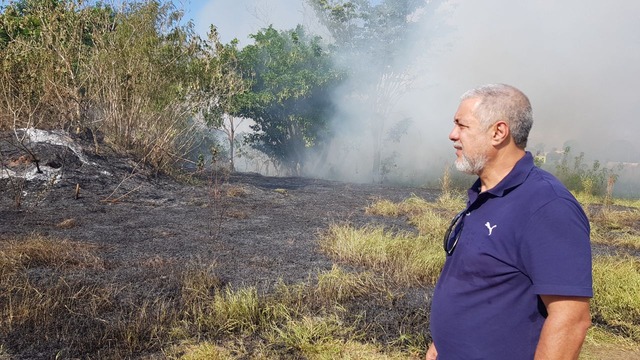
{"points": [[48, 292], [59, 291]]}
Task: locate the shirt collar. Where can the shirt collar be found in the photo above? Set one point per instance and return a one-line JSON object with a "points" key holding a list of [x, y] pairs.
{"points": [[516, 176]]}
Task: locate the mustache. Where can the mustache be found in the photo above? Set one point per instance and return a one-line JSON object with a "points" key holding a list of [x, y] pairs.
{"points": [[457, 145]]}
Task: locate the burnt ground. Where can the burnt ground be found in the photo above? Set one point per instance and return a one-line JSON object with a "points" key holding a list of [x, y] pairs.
{"points": [[255, 230]]}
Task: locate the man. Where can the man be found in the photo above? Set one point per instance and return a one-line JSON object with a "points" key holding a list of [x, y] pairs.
{"points": [[517, 279]]}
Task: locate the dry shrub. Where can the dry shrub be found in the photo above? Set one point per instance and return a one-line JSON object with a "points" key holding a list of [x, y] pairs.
{"points": [[601, 343], [67, 224], [431, 224], [38, 250], [281, 191], [48, 292], [383, 207], [237, 191], [90, 318], [617, 219], [204, 351], [4, 355], [158, 262], [55, 309], [415, 207], [408, 207], [616, 227], [236, 214]]}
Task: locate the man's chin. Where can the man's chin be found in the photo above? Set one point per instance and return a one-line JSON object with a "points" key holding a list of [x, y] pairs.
{"points": [[464, 166]]}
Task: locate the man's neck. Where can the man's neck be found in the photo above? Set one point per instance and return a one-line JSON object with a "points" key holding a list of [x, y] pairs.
{"points": [[498, 168]]}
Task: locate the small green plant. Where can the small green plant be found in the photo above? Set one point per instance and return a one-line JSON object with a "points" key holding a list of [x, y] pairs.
{"points": [[200, 162], [579, 177], [312, 336]]}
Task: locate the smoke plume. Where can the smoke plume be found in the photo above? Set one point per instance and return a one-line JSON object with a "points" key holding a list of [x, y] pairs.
{"points": [[578, 61]]}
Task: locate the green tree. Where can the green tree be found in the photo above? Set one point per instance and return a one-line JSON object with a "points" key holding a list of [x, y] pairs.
{"points": [[292, 77], [221, 83]]}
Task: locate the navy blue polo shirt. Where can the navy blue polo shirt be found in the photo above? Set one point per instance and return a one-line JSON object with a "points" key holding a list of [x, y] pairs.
{"points": [[525, 237]]}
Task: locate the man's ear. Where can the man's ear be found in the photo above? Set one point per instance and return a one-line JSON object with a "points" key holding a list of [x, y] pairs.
{"points": [[501, 132]]}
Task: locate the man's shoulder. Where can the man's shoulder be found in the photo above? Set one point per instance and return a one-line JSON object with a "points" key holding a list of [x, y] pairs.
{"points": [[542, 189], [542, 182]]}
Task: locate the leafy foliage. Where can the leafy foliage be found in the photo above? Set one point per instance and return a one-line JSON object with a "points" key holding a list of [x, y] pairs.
{"points": [[291, 81], [578, 176], [221, 83]]}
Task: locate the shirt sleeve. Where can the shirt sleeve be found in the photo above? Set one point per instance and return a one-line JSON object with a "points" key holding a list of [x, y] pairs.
{"points": [[556, 250]]}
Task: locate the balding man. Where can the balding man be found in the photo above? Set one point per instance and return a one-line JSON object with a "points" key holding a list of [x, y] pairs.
{"points": [[517, 279]]}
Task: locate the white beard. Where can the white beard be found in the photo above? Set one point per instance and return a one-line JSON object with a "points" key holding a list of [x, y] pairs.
{"points": [[471, 166]]}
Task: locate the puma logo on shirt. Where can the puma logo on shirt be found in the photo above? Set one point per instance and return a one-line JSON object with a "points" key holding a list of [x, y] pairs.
{"points": [[488, 225]]}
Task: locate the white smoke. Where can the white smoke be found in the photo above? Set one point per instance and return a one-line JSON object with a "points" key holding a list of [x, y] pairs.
{"points": [[577, 60]]}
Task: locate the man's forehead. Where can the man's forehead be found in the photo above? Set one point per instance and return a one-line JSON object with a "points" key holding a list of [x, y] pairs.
{"points": [[466, 107], [470, 102]]}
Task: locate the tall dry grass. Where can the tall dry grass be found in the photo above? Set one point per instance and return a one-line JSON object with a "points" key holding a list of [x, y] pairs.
{"points": [[616, 226], [51, 290]]}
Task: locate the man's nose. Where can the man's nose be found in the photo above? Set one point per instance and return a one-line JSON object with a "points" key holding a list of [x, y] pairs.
{"points": [[453, 135]]}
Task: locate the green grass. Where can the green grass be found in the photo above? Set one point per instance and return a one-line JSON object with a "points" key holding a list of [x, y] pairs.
{"points": [[324, 338], [616, 303], [311, 322], [203, 351], [407, 258], [337, 285]]}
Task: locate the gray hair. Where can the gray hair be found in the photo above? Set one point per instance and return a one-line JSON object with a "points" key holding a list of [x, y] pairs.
{"points": [[503, 102]]}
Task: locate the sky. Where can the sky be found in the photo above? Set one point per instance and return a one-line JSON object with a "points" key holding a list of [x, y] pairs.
{"points": [[239, 18], [577, 60]]}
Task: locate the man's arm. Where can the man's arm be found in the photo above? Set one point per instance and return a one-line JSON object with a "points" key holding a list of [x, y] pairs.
{"points": [[564, 329]]}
